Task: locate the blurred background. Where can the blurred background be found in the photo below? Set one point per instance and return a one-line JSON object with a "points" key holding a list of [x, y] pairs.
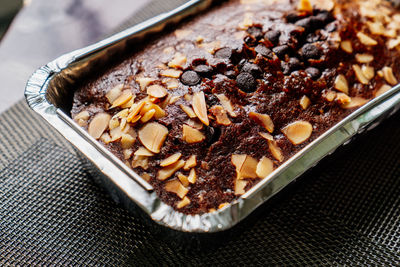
{"points": [[34, 32]]}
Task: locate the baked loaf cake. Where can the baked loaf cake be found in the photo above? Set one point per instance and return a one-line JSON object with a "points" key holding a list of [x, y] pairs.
{"points": [[206, 110]]}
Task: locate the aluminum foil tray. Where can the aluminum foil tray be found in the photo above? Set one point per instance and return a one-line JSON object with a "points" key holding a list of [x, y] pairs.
{"points": [[50, 89]]}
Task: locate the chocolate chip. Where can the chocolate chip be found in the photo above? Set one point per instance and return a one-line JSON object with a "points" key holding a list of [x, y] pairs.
{"points": [[190, 78], [212, 134], [250, 41], [251, 68], [285, 68], [262, 50], [225, 52], [241, 63], [306, 23], [203, 70], [198, 61], [281, 50], [294, 63], [246, 82], [310, 51], [230, 74], [313, 72], [292, 17], [273, 36], [256, 32], [325, 17]]}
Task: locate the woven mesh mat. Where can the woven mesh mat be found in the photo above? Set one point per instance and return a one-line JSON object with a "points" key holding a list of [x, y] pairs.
{"points": [[346, 211]]}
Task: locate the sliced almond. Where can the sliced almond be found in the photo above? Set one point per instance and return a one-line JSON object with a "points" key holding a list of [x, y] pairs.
{"points": [[140, 161], [105, 138], [275, 150], [240, 185], [368, 71], [191, 135], [266, 136], [220, 115], [178, 61], [173, 73], [195, 123], [170, 160], [156, 90], [142, 151], [360, 75], [113, 123], [190, 163], [148, 115], [146, 176], [135, 109], [355, 102], [127, 140], [153, 135], [383, 89], [174, 186], [168, 171], [305, 5], [263, 119], [82, 117], [173, 99], [127, 153], [246, 166], [188, 97], [346, 46], [114, 93], [329, 95], [376, 27], [183, 178], [200, 107], [298, 132], [226, 103], [341, 84], [144, 82], [392, 43], [99, 124], [342, 98], [366, 40], [192, 176], [364, 58], [264, 167], [116, 134], [305, 102], [189, 111], [171, 83], [183, 203], [122, 99], [389, 76]]}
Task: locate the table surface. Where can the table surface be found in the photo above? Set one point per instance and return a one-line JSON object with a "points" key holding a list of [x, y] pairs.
{"points": [[44, 30]]}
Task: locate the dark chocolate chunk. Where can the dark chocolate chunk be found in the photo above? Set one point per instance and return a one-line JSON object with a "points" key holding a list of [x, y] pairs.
{"points": [[273, 36], [285, 68], [256, 32], [294, 63], [212, 134], [230, 74], [292, 17], [251, 68], [190, 78], [313, 72], [199, 61], [325, 17], [250, 41], [241, 63], [225, 52], [281, 50], [203, 70], [262, 50], [246, 82], [310, 51]]}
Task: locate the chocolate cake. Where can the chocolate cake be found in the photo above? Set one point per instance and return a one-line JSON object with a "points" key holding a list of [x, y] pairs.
{"points": [[208, 109]]}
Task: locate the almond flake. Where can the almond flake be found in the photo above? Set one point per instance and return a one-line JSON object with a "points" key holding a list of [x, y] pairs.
{"points": [[263, 119], [148, 115], [240, 185], [383, 89], [220, 114], [127, 153], [178, 61], [264, 167], [156, 91], [192, 176], [173, 73], [173, 99], [190, 162], [364, 58], [346, 46], [360, 75], [275, 150], [170, 160], [246, 166], [153, 135], [183, 203], [329, 95], [135, 109], [341, 84], [116, 134], [82, 117], [171, 83], [142, 151], [183, 179], [168, 171], [127, 140], [366, 40], [146, 176], [305, 5], [226, 103], [368, 71], [266, 136], [376, 27], [140, 161], [105, 138], [122, 99], [191, 135], [298, 132], [144, 82], [305, 102], [389, 76], [392, 43], [342, 98], [189, 111], [200, 107], [99, 124], [114, 93], [195, 123], [355, 102]]}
